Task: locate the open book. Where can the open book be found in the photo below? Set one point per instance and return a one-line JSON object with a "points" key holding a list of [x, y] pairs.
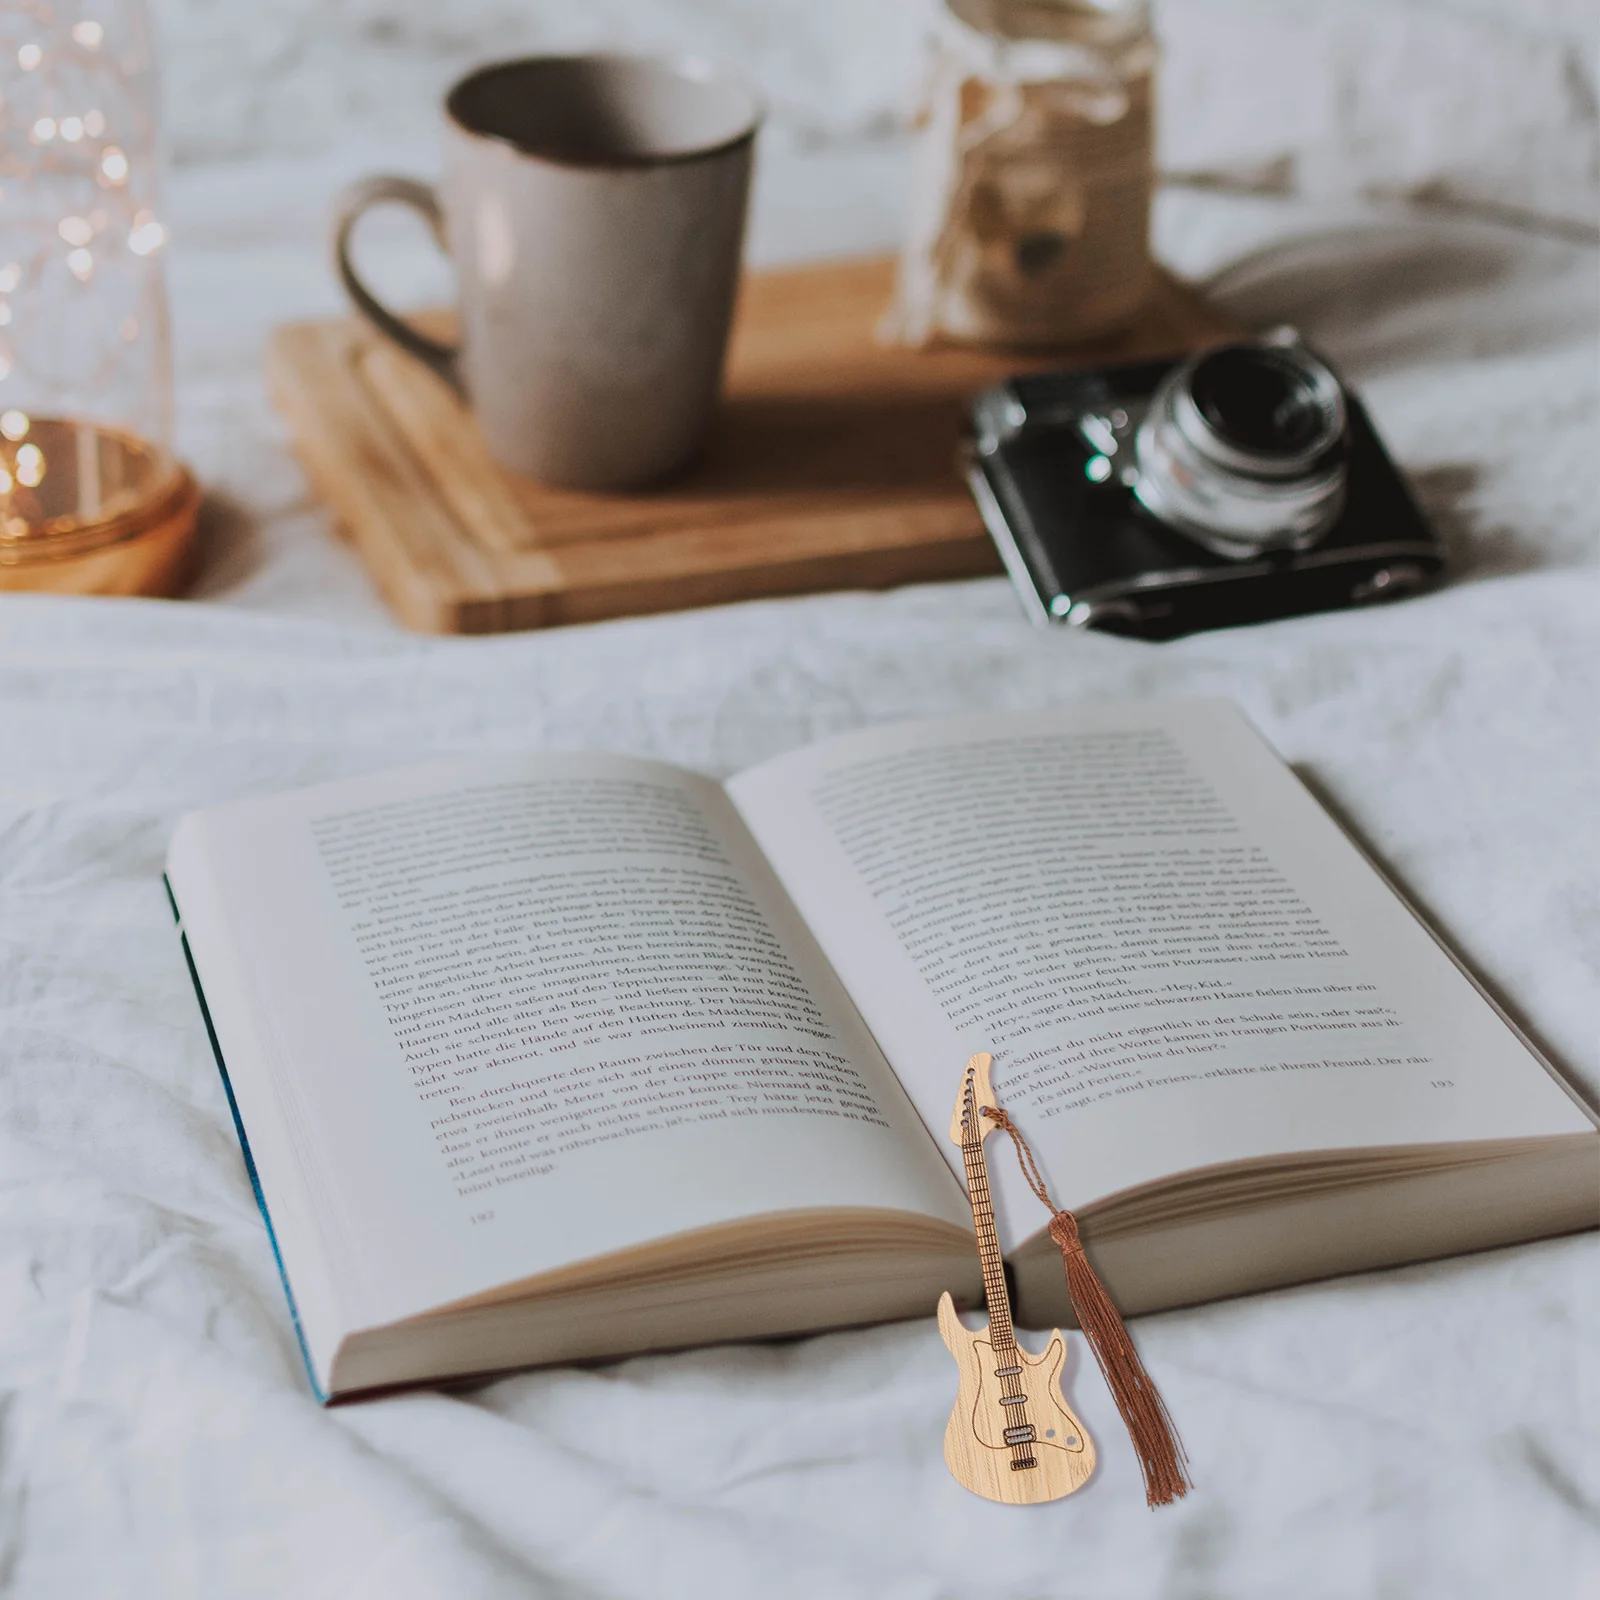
{"points": [[555, 1056]]}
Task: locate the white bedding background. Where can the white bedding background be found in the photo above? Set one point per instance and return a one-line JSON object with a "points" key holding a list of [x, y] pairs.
{"points": [[1433, 1431]]}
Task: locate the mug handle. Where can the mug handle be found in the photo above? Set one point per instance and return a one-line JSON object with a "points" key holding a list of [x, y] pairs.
{"points": [[360, 197]]}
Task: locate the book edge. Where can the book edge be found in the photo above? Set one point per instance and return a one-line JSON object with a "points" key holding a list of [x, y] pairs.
{"points": [[244, 1144]]}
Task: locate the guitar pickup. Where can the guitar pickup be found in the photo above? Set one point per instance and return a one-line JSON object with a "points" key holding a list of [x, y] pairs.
{"points": [[1007, 1372], [1021, 1434], [1013, 1399]]}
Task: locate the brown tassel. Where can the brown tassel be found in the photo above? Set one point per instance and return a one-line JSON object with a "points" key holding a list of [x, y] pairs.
{"points": [[1149, 1423]]}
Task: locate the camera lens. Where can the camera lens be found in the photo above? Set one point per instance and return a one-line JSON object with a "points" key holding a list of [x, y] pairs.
{"points": [[1242, 449], [1258, 401]]}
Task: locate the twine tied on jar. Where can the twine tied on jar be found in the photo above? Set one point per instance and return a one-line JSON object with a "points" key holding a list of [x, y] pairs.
{"points": [[1032, 175]]}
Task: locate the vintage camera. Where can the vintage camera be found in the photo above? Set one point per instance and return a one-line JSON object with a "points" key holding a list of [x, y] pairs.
{"points": [[1156, 499]]}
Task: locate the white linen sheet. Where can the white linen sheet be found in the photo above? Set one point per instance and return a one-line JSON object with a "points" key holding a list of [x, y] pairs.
{"points": [[1432, 1431], [1428, 1431]]}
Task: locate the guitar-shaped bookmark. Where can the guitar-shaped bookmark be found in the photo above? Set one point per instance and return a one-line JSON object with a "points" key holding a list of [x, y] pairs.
{"points": [[1011, 1437]]}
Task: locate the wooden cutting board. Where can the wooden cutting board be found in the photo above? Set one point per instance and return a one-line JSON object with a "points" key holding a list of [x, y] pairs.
{"points": [[832, 465]]}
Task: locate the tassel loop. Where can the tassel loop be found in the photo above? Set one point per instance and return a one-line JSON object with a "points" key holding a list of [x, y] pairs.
{"points": [[1064, 1230], [1149, 1423]]}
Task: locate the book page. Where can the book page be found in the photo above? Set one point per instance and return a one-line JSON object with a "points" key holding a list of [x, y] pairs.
{"points": [[529, 1011], [1174, 954]]}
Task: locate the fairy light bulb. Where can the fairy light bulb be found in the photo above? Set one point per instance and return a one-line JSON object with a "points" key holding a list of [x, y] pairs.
{"points": [[85, 380], [147, 238]]}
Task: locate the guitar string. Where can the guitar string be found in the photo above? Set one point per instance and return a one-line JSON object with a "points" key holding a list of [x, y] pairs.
{"points": [[982, 1204], [993, 1264], [1002, 1340]]}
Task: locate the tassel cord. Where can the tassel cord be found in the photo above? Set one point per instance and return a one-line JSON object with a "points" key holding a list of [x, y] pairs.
{"points": [[1155, 1437]]}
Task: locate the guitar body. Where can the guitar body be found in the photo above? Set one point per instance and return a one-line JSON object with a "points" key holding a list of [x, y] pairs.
{"points": [[975, 1448], [1012, 1437]]}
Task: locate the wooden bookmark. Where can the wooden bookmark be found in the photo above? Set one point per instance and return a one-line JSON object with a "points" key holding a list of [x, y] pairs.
{"points": [[1141, 1405], [1011, 1436]]}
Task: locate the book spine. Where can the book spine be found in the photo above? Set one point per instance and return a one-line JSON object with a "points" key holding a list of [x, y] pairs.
{"points": [[244, 1142]]}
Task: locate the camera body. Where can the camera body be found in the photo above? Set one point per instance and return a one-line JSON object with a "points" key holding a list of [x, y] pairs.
{"points": [[1160, 498]]}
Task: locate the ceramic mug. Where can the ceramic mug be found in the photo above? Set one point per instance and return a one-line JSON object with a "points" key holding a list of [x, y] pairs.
{"points": [[594, 209]]}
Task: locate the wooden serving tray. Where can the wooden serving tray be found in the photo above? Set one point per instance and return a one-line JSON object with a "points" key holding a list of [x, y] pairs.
{"points": [[832, 464]]}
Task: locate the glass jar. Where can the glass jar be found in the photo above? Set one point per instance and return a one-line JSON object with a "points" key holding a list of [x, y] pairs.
{"points": [[86, 465], [1033, 172]]}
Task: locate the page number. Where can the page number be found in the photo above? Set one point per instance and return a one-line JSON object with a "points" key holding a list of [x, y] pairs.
{"points": [[1442, 1083], [482, 1216]]}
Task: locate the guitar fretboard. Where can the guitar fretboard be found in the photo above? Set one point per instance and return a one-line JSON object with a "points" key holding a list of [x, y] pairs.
{"points": [[993, 1263], [1017, 1428]]}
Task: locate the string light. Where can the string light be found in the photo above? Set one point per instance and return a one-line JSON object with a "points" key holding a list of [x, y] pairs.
{"points": [[88, 386], [147, 237]]}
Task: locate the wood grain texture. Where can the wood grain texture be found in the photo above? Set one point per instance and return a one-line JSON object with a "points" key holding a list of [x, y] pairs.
{"points": [[1011, 1436], [974, 1445], [832, 464], [976, 1091]]}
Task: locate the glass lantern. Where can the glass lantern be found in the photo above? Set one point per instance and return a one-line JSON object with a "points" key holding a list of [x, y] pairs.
{"points": [[91, 496]]}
